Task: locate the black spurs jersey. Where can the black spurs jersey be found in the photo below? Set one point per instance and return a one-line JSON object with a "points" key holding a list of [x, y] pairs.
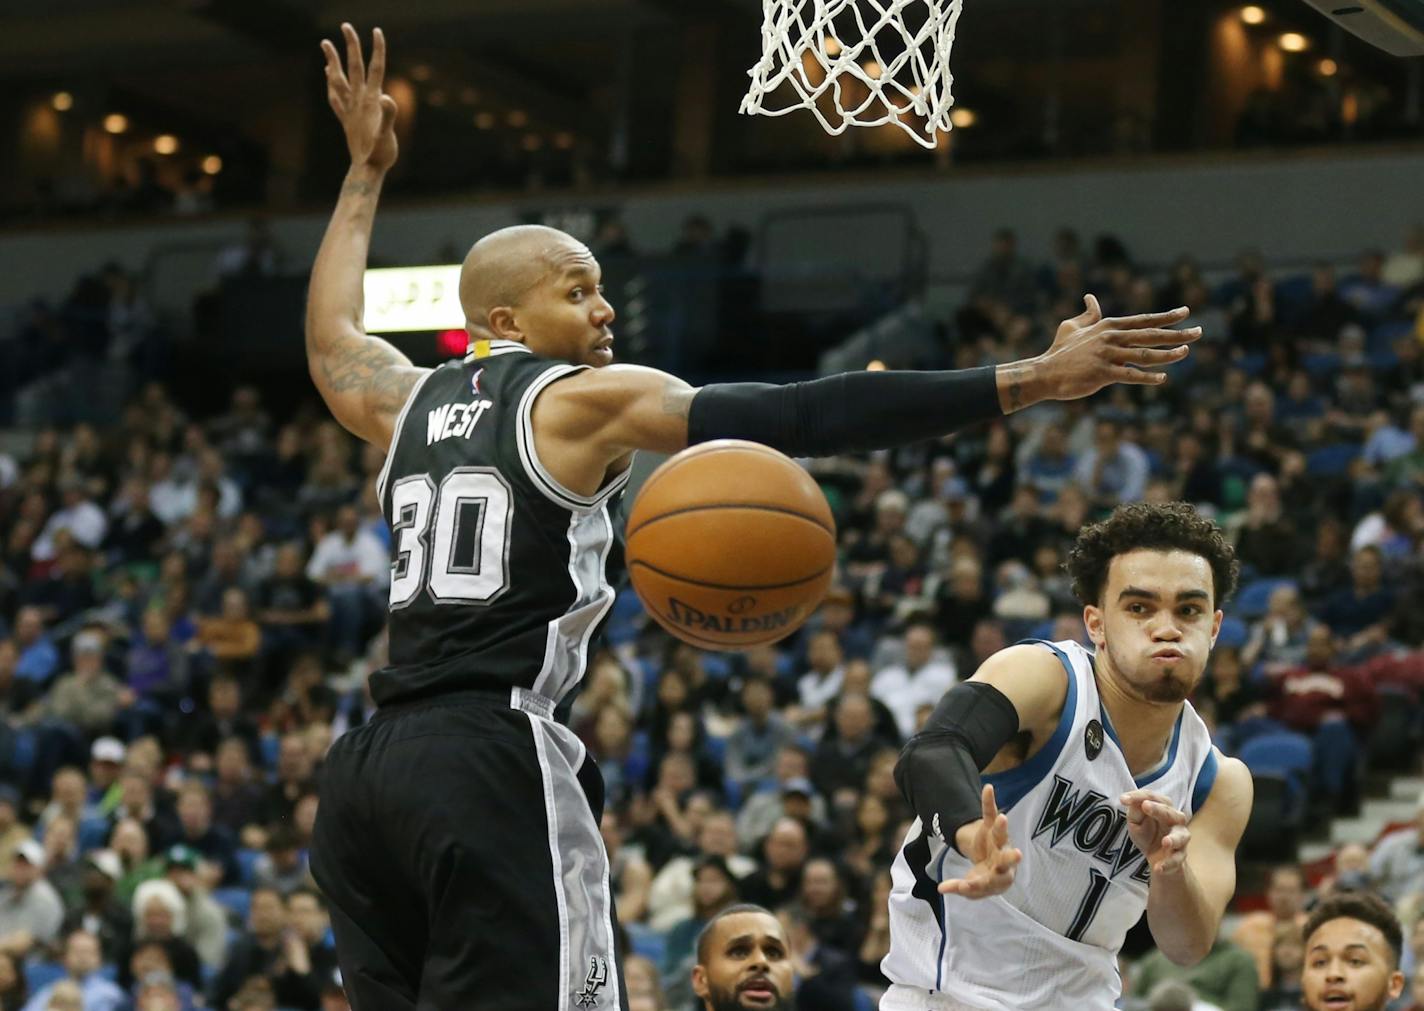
{"points": [[498, 573]]}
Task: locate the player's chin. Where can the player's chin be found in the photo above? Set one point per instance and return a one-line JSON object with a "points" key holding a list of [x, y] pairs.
{"points": [[600, 354]]}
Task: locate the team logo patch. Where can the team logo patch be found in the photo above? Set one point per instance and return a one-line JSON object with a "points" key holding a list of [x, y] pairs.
{"points": [[595, 981], [475, 383], [1093, 739]]}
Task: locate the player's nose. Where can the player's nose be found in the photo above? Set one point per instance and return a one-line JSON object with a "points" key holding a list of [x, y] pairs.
{"points": [[603, 312]]}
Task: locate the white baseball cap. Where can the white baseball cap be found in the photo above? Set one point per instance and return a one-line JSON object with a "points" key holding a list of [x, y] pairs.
{"points": [[33, 852], [108, 862], [108, 749]]}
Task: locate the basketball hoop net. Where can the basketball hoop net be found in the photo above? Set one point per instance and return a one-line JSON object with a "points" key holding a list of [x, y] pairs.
{"points": [[858, 63]]}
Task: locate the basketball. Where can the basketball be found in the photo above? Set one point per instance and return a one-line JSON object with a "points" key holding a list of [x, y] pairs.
{"points": [[730, 545]]}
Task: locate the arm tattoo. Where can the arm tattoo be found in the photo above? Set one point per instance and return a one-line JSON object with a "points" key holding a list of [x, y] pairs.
{"points": [[369, 367]]}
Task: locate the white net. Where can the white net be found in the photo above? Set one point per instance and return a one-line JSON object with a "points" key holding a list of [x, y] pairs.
{"points": [[858, 63]]}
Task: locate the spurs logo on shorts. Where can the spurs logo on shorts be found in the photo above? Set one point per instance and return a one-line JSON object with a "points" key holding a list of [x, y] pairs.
{"points": [[595, 981]]}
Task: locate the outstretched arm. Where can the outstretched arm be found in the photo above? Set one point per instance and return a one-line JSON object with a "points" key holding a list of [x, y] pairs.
{"points": [[363, 379], [622, 408]]}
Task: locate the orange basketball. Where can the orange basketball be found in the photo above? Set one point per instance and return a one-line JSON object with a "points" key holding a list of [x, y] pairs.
{"points": [[730, 544]]}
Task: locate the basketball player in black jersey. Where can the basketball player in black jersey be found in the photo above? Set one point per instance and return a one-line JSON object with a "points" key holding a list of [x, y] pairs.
{"points": [[457, 840]]}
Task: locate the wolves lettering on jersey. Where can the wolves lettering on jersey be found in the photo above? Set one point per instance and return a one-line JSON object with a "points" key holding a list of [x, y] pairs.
{"points": [[1082, 882], [1096, 827], [499, 576]]}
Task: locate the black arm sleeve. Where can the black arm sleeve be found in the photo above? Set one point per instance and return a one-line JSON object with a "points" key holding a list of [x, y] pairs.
{"points": [[938, 771], [850, 412]]}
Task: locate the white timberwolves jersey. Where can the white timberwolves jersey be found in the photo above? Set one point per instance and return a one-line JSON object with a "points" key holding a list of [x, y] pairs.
{"points": [[1051, 941]]}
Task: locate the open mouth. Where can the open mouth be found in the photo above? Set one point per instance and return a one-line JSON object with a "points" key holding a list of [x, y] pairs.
{"points": [[758, 992], [1337, 1001]]}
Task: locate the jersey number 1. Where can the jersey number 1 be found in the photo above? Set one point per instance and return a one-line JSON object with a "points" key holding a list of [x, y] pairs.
{"points": [[1088, 908], [453, 539]]}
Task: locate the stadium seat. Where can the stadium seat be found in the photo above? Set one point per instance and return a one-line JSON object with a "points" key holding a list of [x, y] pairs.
{"points": [[1393, 742], [1321, 366], [1253, 598], [1271, 829], [235, 900], [39, 975], [1332, 461], [93, 833], [1382, 337], [1285, 754], [247, 864], [1233, 633], [645, 941]]}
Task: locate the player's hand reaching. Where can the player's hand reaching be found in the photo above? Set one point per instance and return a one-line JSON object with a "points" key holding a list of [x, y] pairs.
{"points": [[367, 115], [1157, 829], [1090, 352], [986, 843]]}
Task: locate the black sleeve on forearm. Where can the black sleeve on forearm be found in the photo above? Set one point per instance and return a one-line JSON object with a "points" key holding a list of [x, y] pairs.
{"points": [[850, 412], [938, 771]]}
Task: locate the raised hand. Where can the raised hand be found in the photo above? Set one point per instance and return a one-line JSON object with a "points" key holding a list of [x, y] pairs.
{"points": [[1157, 829], [987, 846], [1090, 352], [367, 116]]}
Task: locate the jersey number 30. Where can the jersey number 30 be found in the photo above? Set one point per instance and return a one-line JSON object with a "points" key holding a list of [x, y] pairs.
{"points": [[453, 540]]}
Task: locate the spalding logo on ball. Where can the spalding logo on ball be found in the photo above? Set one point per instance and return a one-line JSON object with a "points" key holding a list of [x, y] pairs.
{"points": [[730, 545]]}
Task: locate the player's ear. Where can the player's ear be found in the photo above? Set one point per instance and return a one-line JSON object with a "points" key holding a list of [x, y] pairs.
{"points": [[1396, 984], [503, 324], [1216, 625], [699, 982], [1093, 621]]}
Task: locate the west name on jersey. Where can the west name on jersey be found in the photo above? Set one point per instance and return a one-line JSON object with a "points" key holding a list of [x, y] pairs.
{"points": [[452, 421], [1092, 826]]}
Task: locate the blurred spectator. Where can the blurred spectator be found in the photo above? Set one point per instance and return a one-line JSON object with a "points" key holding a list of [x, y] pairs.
{"points": [[270, 949], [283, 867], [1360, 612], [1283, 992], [645, 992], [841, 762], [255, 255], [779, 879], [1279, 640], [160, 914], [39, 658], [762, 810], [1367, 290], [14, 992], [1256, 934], [1005, 277], [1226, 976], [714, 888], [670, 897], [822, 683], [629, 874], [926, 674], [1397, 863], [82, 962], [88, 697], [100, 912], [759, 733], [12, 831], [354, 568], [826, 977], [30, 909], [1268, 541], [1114, 470]]}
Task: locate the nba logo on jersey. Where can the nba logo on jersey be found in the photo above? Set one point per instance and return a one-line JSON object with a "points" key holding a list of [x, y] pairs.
{"points": [[475, 390], [595, 981]]}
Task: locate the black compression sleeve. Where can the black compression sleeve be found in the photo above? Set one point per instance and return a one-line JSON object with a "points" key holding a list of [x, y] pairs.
{"points": [[938, 771], [850, 412]]}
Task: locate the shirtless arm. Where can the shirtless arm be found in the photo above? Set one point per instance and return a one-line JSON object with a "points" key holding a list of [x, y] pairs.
{"points": [[1194, 868], [364, 380]]}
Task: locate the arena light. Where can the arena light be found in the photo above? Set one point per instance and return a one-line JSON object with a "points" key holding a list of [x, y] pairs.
{"points": [[532, 142], [62, 101], [832, 46], [518, 118], [437, 98], [420, 72], [1253, 15], [469, 96], [165, 143], [405, 299], [875, 366], [452, 343], [963, 119], [564, 140], [872, 69], [1327, 67], [212, 164], [116, 123], [1293, 42], [485, 121]]}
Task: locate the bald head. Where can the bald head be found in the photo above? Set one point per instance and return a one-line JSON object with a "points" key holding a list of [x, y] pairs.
{"points": [[502, 267]]}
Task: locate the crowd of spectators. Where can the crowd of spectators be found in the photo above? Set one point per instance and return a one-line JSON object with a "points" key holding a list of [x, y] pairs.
{"points": [[190, 603]]}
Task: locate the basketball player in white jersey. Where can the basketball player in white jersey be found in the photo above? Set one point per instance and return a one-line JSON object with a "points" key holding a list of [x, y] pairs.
{"points": [[1059, 793]]}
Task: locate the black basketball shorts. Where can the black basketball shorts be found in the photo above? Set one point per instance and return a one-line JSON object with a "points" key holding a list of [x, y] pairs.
{"points": [[457, 845]]}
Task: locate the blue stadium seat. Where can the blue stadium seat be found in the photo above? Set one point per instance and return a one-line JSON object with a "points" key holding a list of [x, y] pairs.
{"points": [[1321, 366], [1253, 598], [1332, 461], [247, 864], [1382, 337], [41, 974], [651, 944], [1233, 633], [235, 900], [270, 745], [1285, 754], [93, 834]]}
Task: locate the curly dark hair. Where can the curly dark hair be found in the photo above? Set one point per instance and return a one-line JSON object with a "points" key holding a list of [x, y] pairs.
{"points": [[1168, 526], [1367, 907]]}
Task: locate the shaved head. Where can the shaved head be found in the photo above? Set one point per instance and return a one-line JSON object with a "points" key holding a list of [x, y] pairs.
{"points": [[501, 268]]}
